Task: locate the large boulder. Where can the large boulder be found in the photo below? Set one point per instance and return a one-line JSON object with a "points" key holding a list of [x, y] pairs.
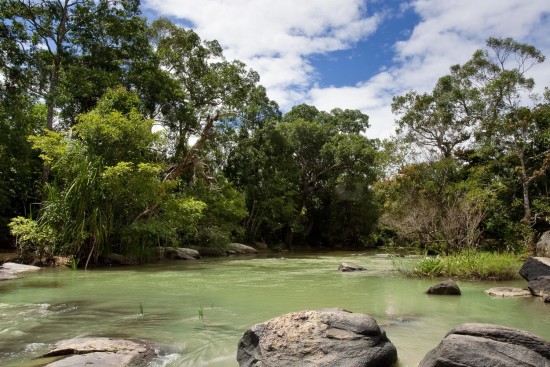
{"points": [[240, 249], [330, 337], [535, 267], [350, 267], [448, 287], [181, 253], [543, 246], [540, 287], [100, 352], [482, 345], [117, 259]]}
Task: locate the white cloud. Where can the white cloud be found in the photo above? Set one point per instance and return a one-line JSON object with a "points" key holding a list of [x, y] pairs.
{"points": [[276, 38], [448, 33]]}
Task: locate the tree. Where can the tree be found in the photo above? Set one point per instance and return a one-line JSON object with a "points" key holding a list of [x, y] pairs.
{"points": [[441, 120], [500, 75]]}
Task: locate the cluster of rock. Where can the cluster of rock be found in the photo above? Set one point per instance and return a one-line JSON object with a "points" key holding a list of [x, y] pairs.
{"points": [[335, 337]]}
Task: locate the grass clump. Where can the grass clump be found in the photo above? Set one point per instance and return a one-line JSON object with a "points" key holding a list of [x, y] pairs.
{"points": [[471, 265]]}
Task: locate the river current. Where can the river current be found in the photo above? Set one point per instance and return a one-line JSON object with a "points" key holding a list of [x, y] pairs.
{"points": [[200, 309]]}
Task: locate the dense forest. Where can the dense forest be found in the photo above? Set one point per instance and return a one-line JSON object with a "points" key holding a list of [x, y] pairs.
{"points": [[119, 135]]}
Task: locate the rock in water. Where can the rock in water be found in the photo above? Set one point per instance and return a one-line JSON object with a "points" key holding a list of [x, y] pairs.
{"points": [[507, 292], [448, 287], [535, 267], [540, 287], [240, 249], [350, 267], [330, 337], [100, 352], [482, 345]]}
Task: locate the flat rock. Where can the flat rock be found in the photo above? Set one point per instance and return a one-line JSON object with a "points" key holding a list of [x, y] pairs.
{"points": [[482, 345], [14, 268], [448, 287], [100, 352], [350, 267], [330, 337], [7, 276], [535, 267], [239, 248], [507, 292]]}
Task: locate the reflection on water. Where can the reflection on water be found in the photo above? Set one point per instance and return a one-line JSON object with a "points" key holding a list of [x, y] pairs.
{"points": [[233, 294]]}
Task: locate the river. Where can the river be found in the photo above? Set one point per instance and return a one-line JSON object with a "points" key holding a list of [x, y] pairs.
{"points": [[233, 294]]}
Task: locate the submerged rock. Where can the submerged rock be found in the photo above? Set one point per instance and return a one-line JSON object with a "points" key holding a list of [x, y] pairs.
{"points": [[330, 337], [100, 352], [482, 345], [448, 287], [507, 292], [350, 267], [535, 267]]}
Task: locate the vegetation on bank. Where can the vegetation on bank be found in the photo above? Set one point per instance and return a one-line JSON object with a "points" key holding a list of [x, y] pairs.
{"points": [[470, 265], [119, 135]]}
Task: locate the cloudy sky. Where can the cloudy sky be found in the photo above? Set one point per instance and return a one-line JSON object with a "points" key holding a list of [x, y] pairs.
{"points": [[358, 53]]}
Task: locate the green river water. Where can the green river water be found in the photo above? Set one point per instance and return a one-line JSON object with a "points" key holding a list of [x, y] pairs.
{"points": [[235, 293]]}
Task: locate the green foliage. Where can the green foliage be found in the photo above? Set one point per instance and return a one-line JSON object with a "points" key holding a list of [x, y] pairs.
{"points": [[32, 239], [470, 265]]}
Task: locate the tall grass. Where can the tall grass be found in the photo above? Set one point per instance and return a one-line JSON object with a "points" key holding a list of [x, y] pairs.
{"points": [[470, 265]]}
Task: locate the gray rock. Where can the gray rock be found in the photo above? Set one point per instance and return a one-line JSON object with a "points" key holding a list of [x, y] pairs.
{"points": [[240, 249], [14, 268], [100, 352], [330, 337], [181, 253], [350, 267], [507, 292], [535, 267], [482, 345], [543, 246], [540, 286], [448, 287]]}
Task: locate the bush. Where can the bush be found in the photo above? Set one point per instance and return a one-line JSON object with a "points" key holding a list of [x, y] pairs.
{"points": [[470, 265], [34, 241]]}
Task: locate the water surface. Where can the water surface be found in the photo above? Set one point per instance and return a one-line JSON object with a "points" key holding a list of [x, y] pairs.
{"points": [[233, 294]]}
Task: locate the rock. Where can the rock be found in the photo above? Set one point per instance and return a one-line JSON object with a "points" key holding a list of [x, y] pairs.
{"points": [[117, 259], [535, 267], [330, 337], [543, 246], [261, 246], [448, 287], [540, 286], [181, 253], [14, 268], [507, 292], [350, 267], [481, 345], [239, 248], [100, 352]]}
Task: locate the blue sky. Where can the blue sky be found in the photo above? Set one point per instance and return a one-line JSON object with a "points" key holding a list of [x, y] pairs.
{"points": [[358, 53]]}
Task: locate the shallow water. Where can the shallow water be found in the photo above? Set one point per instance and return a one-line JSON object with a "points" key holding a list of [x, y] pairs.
{"points": [[235, 293]]}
